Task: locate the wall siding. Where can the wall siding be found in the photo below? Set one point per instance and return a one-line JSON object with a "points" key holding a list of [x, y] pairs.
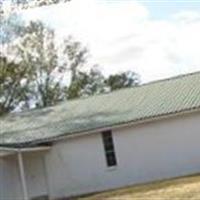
{"points": [[35, 174], [146, 152], [10, 184], [9, 179]]}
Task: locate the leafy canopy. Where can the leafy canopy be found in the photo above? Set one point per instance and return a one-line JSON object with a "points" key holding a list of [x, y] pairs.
{"points": [[37, 71]]}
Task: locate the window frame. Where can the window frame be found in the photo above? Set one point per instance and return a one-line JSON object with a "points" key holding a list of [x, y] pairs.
{"points": [[109, 148]]}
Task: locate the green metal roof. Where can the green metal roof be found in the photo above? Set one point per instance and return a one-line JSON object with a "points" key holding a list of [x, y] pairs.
{"points": [[123, 106]]}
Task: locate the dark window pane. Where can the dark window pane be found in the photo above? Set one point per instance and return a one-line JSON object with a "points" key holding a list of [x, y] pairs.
{"points": [[109, 148], [108, 141], [111, 160]]}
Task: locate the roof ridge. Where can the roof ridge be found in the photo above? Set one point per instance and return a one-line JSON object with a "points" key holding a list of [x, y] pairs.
{"points": [[171, 78], [135, 87]]}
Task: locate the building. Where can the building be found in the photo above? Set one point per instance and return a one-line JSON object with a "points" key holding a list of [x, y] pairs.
{"points": [[130, 136]]}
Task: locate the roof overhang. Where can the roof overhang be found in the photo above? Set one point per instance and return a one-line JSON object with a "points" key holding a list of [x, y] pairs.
{"points": [[50, 140], [125, 124], [6, 151]]}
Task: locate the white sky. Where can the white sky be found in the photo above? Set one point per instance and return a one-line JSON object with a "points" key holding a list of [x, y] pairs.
{"points": [[127, 35]]}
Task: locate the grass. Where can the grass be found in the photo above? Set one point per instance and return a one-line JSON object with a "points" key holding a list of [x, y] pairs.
{"points": [[175, 189]]}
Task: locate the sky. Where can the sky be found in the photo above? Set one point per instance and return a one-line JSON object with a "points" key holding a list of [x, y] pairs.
{"points": [[155, 38]]}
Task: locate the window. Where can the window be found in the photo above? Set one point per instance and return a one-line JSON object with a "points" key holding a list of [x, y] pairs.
{"points": [[109, 148]]}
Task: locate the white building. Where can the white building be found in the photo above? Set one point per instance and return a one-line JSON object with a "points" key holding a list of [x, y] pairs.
{"points": [[126, 137]]}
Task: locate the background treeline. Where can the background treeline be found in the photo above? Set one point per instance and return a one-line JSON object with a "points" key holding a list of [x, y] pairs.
{"points": [[37, 70]]}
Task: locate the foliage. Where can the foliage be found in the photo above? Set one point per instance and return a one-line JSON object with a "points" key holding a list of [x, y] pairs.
{"points": [[11, 26], [87, 84], [122, 80], [77, 56], [13, 80], [37, 77], [49, 62], [15, 5], [95, 82], [10, 21]]}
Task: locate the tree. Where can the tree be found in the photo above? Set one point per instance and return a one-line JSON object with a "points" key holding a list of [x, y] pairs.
{"points": [[11, 27], [122, 80], [15, 5], [37, 77], [13, 80], [48, 63], [77, 56], [87, 84], [95, 82], [10, 20]]}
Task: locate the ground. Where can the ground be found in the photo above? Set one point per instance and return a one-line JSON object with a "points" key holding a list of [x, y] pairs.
{"points": [[176, 189]]}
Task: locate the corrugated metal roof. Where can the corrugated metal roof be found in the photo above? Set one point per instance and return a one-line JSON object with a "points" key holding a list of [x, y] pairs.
{"points": [[123, 106]]}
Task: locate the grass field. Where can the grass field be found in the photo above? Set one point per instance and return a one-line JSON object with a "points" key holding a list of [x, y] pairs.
{"points": [[186, 188]]}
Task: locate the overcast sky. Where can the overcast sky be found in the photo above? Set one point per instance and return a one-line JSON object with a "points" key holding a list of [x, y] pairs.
{"points": [[155, 38]]}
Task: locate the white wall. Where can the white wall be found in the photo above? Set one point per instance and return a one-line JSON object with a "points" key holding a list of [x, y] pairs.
{"points": [[35, 174], [9, 179], [10, 184], [145, 152]]}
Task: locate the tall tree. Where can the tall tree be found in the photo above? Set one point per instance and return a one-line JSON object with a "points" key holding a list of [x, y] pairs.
{"points": [[13, 81], [49, 63], [77, 57], [37, 77], [10, 19]]}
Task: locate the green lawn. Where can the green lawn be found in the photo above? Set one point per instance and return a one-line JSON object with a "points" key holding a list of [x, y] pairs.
{"points": [[175, 189]]}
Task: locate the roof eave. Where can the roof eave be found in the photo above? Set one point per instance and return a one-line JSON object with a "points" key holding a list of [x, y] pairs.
{"points": [[100, 129]]}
